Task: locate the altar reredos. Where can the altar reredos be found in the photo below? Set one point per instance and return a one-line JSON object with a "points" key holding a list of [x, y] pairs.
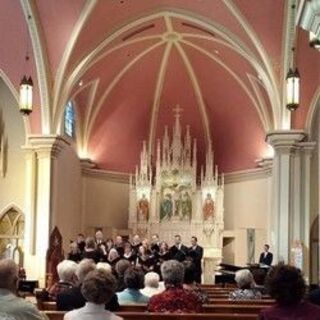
{"points": [[166, 199]]}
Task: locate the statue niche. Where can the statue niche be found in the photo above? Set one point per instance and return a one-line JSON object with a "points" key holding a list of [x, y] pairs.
{"points": [[169, 201]]}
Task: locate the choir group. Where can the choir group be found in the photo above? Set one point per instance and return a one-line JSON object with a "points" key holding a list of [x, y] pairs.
{"points": [[142, 253]]}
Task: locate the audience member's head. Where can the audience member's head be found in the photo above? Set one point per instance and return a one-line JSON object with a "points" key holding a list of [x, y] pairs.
{"points": [[189, 272], [121, 267], [84, 267], [177, 239], [285, 284], [134, 278], [67, 271], [98, 286], [8, 275], [172, 272], [90, 243], [244, 279], [151, 280], [104, 266]]}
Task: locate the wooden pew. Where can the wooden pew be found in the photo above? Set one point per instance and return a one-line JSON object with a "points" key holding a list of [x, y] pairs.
{"points": [[225, 307], [58, 315]]}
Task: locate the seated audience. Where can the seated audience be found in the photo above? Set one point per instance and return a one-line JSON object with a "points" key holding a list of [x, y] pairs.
{"points": [[151, 284], [174, 298], [133, 280], [12, 307], [91, 251], [67, 278], [73, 298], [75, 253], [119, 270], [98, 289], [190, 281], [246, 285], [286, 285]]}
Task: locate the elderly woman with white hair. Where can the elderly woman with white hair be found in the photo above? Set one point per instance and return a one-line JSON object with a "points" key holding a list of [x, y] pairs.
{"points": [[151, 284], [67, 278], [174, 298], [246, 287]]}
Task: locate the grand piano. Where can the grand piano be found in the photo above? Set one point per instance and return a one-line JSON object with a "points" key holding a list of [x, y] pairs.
{"points": [[226, 273]]}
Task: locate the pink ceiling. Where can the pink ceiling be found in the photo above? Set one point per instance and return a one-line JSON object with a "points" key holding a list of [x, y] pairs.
{"points": [[58, 19], [121, 119], [15, 42]]}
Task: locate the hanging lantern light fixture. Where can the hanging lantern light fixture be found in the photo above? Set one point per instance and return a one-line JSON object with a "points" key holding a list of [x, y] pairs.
{"points": [[25, 104], [26, 90], [293, 87]]}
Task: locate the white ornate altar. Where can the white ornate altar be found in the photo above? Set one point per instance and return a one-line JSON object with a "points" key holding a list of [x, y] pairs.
{"points": [[169, 201]]}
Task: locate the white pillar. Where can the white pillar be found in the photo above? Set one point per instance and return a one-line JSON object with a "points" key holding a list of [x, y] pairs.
{"points": [[284, 170], [40, 158]]}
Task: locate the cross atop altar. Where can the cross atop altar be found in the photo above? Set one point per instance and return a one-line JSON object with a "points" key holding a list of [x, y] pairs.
{"points": [[170, 201]]}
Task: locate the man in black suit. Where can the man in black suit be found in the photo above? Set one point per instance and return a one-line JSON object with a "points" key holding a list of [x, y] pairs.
{"points": [[195, 252], [266, 257], [178, 251]]}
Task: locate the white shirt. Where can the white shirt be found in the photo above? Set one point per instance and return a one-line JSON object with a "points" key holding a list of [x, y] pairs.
{"points": [[91, 311], [149, 292]]}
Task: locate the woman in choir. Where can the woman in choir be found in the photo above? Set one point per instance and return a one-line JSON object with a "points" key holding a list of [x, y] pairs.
{"points": [[113, 257], [144, 260], [109, 244], [129, 254]]}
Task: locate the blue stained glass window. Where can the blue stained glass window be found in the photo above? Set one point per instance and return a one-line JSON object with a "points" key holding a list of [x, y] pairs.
{"points": [[69, 120]]}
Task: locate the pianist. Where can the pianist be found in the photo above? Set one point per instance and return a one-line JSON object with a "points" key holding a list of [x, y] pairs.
{"points": [[266, 257]]}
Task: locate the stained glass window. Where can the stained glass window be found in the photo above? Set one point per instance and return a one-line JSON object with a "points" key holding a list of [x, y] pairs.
{"points": [[69, 120]]}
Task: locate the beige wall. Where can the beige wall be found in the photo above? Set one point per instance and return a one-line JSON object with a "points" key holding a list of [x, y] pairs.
{"points": [[247, 204], [67, 189], [12, 185], [105, 202]]}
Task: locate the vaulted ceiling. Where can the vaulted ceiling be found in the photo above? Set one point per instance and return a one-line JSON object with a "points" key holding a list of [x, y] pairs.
{"points": [[127, 63]]}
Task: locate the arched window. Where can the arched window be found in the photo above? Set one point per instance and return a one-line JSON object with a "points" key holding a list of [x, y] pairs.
{"points": [[69, 120]]}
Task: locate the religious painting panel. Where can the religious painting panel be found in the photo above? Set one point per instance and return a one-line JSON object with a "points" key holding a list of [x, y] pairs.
{"points": [[176, 201]]}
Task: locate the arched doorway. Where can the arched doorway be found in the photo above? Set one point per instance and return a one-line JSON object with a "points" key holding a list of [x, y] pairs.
{"points": [[12, 234]]}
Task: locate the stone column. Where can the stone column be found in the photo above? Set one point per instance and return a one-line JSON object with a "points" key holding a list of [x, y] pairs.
{"points": [[40, 162], [285, 173]]}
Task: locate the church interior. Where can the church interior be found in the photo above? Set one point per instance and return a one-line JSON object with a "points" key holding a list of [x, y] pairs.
{"points": [[191, 117]]}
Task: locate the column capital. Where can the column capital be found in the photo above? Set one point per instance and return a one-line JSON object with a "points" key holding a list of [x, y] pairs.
{"points": [[46, 145], [285, 140]]}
